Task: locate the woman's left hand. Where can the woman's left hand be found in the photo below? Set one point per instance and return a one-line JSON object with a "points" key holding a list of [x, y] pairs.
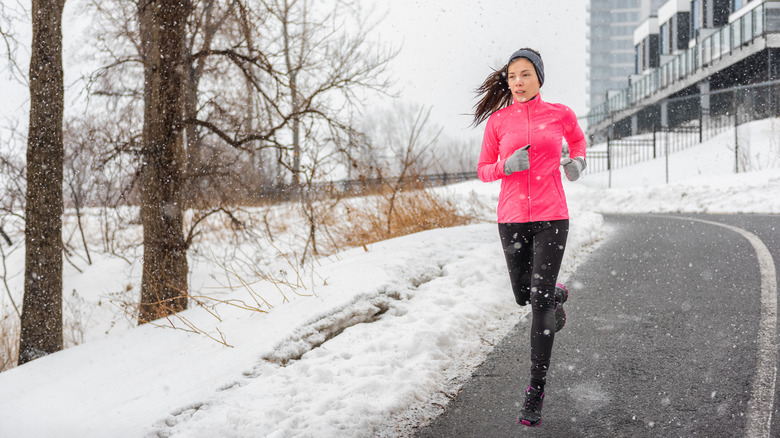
{"points": [[573, 167]]}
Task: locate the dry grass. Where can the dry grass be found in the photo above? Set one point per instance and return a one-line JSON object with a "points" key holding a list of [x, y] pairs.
{"points": [[9, 342], [408, 212], [341, 223], [169, 315]]}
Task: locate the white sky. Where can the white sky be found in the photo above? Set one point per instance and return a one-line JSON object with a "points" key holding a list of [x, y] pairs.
{"points": [[447, 49]]}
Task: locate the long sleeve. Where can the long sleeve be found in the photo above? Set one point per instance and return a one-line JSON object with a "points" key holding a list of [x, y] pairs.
{"points": [[490, 167], [573, 134]]}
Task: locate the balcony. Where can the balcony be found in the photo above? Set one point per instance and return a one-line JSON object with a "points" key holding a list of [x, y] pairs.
{"points": [[756, 20]]}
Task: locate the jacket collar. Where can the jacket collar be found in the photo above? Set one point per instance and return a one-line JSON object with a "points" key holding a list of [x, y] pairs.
{"points": [[529, 104]]}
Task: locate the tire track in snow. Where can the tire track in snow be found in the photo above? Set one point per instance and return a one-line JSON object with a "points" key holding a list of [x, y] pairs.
{"points": [[366, 308]]}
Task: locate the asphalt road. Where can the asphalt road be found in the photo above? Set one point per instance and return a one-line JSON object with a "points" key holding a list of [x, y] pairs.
{"points": [[663, 339]]}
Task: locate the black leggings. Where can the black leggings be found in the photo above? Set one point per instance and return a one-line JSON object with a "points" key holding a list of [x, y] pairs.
{"points": [[534, 252]]}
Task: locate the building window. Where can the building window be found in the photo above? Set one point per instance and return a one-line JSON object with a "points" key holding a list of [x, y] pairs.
{"points": [[736, 4], [682, 31], [664, 38], [695, 18], [654, 59], [638, 59]]}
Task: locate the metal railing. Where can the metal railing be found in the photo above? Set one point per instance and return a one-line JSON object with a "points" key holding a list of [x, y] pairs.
{"points": [[727, 110], [358, 187], [626, 152]]}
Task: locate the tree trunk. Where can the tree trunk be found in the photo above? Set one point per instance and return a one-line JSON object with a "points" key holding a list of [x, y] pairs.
{"points": [[41, 324], [164, 283], [292, 72], [192, 152]]}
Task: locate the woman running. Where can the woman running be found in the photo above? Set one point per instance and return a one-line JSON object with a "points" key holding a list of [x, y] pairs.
{"points": [[522, 147]]}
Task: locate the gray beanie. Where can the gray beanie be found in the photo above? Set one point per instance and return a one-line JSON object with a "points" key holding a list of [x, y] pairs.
{"points": [[535, 59]]}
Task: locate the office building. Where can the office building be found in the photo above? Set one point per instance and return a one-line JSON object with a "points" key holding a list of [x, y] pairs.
{"points": [[693, 61], [610, 36]]}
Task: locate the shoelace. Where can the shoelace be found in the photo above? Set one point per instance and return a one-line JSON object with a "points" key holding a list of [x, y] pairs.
{"points": [[559, 295], [532, 402]]}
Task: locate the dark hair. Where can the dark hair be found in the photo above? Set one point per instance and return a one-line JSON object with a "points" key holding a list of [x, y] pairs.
{"points": [[495, 94]]}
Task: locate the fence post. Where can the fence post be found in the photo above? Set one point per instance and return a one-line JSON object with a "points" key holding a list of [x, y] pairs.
{"points": [[701, 123], [666, 147], [609, 161], [654, 152], [736, 133], [736, 141]]}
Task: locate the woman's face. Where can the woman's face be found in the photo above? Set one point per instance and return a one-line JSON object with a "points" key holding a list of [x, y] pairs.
{"points": [[522, 80]]}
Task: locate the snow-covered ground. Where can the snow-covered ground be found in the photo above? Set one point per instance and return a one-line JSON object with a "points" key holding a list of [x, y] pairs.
{"points": [[363, 343]]}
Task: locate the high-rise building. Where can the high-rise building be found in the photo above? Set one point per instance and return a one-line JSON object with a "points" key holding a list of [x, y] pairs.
{"points": [[611, 43]]}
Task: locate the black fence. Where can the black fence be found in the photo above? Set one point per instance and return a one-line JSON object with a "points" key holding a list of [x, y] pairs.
{"points": [[358, 187], [749, 153], [725, 110], [623, 153], [626, 152]]}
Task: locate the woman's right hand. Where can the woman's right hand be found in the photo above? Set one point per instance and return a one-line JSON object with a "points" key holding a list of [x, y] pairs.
{"points": [[518, 161]]}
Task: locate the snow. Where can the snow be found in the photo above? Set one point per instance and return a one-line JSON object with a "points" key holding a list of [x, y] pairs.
{"points": [[366, 342], [702, 178], [393, 326]]}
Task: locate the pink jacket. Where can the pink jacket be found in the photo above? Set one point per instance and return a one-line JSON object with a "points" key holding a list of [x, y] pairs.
{"points": [[535, 194]]}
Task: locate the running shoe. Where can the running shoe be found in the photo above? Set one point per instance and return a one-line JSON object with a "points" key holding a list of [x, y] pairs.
{"points": [[561, 295], [531, 415]]}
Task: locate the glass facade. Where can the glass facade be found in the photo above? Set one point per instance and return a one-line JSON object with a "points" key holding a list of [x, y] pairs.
{"points": [[611, 43]]}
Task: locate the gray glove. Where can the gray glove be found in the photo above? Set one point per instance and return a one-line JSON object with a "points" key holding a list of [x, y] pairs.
{"points": [[573, 167], [518, 161]]}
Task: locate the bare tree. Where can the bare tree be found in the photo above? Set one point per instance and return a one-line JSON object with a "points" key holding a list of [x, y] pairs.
{"points": [[455, 155], [164, 282], [10, 43], [257, 69], [14, 142], [207, 23], [403, 141], [12, 193], [13, 187], [326, 60], [41, 325], [319, 202], [82, 173], [234, 93], [411, 142]]}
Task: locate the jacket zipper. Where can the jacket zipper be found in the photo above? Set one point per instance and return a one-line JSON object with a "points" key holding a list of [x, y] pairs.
{"points": [[529, 158]]}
